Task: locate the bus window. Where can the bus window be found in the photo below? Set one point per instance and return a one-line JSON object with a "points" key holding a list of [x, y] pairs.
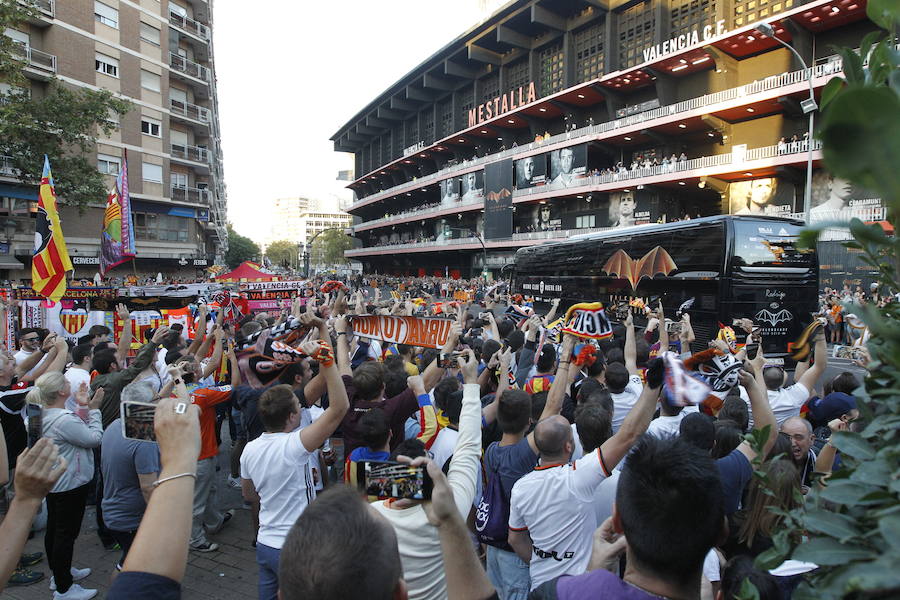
{"points": [[769, 244]]}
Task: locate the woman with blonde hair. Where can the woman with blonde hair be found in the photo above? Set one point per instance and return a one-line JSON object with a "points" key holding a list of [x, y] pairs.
{"points": [[75, 436]]}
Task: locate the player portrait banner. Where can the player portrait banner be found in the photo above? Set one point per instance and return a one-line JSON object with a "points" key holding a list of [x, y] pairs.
{"points": [[426, 332], [587, 320], [531, 171], [498, 213]]}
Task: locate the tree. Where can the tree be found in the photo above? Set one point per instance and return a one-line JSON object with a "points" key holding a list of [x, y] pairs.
{"points": [[851, 527], [329, 247], [283, 253], [240, 248], [63, 123]]}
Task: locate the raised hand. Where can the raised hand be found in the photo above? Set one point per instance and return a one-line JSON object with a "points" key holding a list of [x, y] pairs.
{"points": [[468, 366], [160, 333], [122, 312]]}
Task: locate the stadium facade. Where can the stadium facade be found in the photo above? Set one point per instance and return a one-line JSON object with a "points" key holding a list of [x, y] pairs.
{"points": [[558, 117]]}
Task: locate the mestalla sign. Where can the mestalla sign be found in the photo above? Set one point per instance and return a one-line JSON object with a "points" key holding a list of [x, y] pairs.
{"points": [[683, 41], [511, 100]]}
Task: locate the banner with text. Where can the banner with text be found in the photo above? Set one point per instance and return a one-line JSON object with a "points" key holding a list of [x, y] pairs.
{"points": [[427, 332], [498, 213]]}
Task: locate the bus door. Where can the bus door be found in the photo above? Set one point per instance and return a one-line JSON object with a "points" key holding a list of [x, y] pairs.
{"points": [[772, 282]]}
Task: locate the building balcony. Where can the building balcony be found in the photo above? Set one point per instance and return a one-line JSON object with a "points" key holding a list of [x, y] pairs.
{"points": [[7, 169], [193, 71], [196, 115], [189, 26], [46, 9], [189, 194], [191, 154], [38, 64], [770, 87]]}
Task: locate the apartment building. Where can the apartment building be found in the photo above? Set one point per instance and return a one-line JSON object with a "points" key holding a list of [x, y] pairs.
{"points": [[300, 219], [158, 54], [552, 118]]}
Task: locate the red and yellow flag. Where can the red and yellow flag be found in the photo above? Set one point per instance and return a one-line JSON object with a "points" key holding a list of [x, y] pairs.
{"points": [[50, 259]]}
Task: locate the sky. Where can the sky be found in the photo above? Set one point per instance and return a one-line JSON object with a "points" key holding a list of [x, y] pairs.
{"points": [[292, 72]]}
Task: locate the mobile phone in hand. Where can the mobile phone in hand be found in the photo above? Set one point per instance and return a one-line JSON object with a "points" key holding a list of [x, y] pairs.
{"points": [[137, 420], [449, 361], [388, 479], [35, 414]]}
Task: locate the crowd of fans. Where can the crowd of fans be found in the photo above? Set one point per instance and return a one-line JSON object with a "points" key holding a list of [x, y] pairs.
{"points": [[561, 467]]}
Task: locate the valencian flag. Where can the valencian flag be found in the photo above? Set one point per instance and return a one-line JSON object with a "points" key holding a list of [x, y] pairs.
{"points": [[50, 259], [116, 238]]}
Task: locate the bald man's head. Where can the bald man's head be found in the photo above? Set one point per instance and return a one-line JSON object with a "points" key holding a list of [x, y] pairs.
{"points": [[553, 437]]}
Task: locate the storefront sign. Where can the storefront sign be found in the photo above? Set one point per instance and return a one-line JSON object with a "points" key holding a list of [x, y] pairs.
{"points": [[681, 42], [85, 260], [511, 100]]}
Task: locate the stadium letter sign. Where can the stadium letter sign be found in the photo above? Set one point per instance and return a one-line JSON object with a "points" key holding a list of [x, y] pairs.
{"points": [[681, 42], [511, 100]]}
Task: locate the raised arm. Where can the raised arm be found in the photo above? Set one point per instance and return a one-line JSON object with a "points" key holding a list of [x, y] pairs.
{"points": [[343, 348], [199, 330], [492, 325], [314, 435], [820, 363], [144, 355], [489, 412], [433, 372], [663, 332], [47, 346], [125, 337], [638, 418], [558, 387], [215, 360], [630, 346], [551, 315], [761, 411]]}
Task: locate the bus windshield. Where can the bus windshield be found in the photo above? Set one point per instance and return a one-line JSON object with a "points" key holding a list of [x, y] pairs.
{"points": [[769, 244]]}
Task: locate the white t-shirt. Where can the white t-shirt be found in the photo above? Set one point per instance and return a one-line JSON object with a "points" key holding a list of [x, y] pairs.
{"points": [[663, 426], [23, 354], [623, 401], [444, 445], [76, 377], [785, 402], [277, 463], [555, 504]]}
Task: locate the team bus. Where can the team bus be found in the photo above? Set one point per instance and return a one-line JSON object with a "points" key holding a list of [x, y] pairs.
{"points": [[716, 269]]}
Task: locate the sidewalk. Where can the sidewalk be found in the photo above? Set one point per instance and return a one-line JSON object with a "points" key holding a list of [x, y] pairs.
{"points": [[228, 573]]}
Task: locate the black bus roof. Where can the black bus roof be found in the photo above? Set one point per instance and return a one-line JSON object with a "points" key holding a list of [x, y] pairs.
{"points": [[658, 227]]}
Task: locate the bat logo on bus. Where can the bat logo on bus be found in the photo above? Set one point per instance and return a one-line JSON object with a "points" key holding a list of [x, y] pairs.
{"points": [[655, 261]]}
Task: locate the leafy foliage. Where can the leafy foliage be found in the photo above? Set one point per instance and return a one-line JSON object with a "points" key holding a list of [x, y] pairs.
{"points": [[329, 247], [62, 123], [283, 253], [851, 527], [240, 248]]}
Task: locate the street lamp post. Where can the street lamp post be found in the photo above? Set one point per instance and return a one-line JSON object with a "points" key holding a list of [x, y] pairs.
{"points": [[809, 107]]}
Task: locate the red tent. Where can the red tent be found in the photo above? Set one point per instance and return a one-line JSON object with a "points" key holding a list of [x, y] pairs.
{"points": [[245, 272]]}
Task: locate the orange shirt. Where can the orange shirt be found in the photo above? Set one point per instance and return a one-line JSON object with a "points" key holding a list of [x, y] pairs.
{"points": [[207, 398]]}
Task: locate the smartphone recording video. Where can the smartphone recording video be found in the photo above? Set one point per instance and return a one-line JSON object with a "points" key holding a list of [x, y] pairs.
{"points": [[449, 361], [394, 480], [137, 420], [35, 415]]}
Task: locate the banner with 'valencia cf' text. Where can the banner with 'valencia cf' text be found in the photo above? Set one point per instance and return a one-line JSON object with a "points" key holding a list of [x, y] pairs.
{"points": [[427, 332]]}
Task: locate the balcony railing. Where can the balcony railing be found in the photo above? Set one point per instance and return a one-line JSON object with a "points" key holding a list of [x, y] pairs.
{"points": [[622, 175], [191, 111], [45, 6], [189, 25], [194, 153], [188, 67], [189, 194], [35, 58], [6, 167], [831, 67]]}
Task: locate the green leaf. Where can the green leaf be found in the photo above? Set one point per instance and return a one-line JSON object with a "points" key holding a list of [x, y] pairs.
{"points": [[853, 445], [830, 523], [890, 530], [747, 591], [883, 13], [845, 492], [828, 552], [868, 41], [852, 66], [872, 472], [831, 89]]}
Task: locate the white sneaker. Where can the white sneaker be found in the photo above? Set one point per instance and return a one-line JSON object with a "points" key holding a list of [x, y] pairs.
{"points": [[75, 592], [234, 482], [77, 575]]}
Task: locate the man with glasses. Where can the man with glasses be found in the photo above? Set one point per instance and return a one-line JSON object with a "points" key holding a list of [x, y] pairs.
{"points": [[29, 343]]}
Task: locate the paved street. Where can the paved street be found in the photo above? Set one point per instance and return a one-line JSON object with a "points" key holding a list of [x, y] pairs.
{"points": [[228, 573]]}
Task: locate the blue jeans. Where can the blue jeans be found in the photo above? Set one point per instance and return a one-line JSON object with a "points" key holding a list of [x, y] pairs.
{"points": [[267, 559], [508, 573]]}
